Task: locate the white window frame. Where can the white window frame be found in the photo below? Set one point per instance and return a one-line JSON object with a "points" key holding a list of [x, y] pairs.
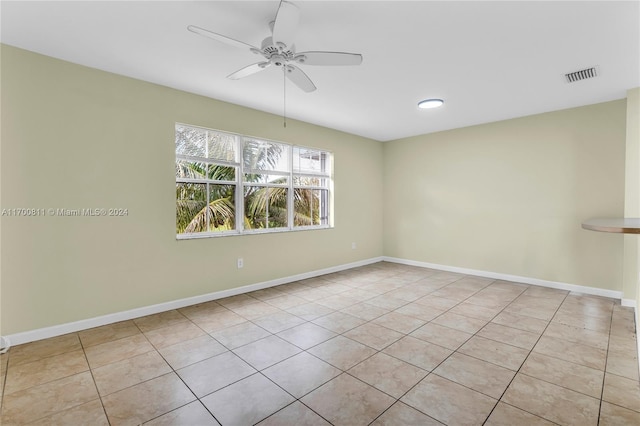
{"points": [[240, 184]]}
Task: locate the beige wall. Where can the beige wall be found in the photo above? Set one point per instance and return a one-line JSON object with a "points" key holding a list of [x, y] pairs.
{"points": [[509, 197], [631, 285], [504, 197], [74, 137]]}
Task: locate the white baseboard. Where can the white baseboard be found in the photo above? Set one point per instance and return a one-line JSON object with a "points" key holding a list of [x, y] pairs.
{"points": [[534, 281], [506, 277], [58, 330]]}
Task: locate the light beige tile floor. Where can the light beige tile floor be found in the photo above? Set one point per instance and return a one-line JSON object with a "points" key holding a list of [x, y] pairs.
{"points": [[384, 344]]}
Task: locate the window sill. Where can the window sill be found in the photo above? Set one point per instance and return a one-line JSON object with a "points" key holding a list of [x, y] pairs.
{"points": [[201, 235]]}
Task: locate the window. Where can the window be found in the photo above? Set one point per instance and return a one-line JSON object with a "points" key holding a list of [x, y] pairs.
{"points": [[232, 184]]}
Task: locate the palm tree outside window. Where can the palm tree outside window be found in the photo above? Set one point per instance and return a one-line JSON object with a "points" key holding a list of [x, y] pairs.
{"points": [[231, 184]]}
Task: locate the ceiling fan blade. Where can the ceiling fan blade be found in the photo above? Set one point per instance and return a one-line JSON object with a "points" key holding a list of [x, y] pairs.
{"points": [[328, 58], [286, 23], [248, 70], [220, 37], [299, 78]]}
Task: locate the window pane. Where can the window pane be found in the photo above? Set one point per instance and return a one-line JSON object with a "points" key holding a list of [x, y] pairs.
{"points": [[265, 207], [190, 141], [260, 178], [306, 207], [310, 207], [221, 211], [217, 172], [191, 199], [264, 155], [310, 181], [310, 160], [255, 207], [278, 207], [324, 207], [221, 146], [190, 169]]}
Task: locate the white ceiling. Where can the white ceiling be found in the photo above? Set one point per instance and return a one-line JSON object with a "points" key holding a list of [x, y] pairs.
{"points": [[489, 61]]}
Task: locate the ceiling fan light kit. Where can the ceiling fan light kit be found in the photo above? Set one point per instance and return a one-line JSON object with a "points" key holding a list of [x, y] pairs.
{"points": [[278, 50]]}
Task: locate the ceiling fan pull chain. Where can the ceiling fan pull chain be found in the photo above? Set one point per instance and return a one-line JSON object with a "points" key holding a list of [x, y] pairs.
{"points": [[284, 96]]}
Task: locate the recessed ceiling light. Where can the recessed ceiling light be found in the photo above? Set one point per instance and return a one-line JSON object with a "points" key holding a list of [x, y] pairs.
{"points": [[430, 103]]}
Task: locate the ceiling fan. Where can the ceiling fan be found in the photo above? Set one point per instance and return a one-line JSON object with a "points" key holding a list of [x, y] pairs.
{"points": [[278, 49]]}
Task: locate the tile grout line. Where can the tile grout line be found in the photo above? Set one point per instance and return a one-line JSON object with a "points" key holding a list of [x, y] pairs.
{"points": [[524, 361], [260, 371], [441, 362], [340, 369], [364, 301], [376, 351], [456, 350], [174, 371], [156, 350], [432, 371], [311, 354], [84, 352], [606, 364], [408, 334]]}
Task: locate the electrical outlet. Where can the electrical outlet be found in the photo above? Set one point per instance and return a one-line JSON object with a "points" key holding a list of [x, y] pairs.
{"points": [[240, 262], [353, 246]]}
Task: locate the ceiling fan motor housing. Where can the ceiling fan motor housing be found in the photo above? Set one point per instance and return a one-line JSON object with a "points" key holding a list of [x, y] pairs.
{"points": [[277, 53]]}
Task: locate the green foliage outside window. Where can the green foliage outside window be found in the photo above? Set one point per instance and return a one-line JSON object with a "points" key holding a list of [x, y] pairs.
{"points": [[208, 177]]}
